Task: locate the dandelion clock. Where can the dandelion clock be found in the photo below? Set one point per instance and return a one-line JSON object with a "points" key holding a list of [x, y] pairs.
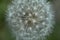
{"points": [[30, 19]]}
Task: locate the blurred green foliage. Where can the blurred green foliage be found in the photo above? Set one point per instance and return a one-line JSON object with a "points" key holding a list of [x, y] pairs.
{"points": [[4, 34]]}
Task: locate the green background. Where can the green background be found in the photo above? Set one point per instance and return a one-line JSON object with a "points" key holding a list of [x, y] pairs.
{"points": [[4, 31]]}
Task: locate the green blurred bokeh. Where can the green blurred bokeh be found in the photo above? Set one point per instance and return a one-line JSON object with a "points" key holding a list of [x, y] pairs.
{"points": [[4, 31], [4, 34]]}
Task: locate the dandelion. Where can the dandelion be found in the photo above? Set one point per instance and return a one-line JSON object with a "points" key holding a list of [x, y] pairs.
{"points": [[30, 19]]}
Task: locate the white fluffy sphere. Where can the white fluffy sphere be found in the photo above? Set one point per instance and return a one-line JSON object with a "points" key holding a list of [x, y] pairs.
{"points": [[30, 19]]}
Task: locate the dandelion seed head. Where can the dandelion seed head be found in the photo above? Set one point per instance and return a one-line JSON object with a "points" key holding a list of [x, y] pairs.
{"points": [[30, 19]]}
